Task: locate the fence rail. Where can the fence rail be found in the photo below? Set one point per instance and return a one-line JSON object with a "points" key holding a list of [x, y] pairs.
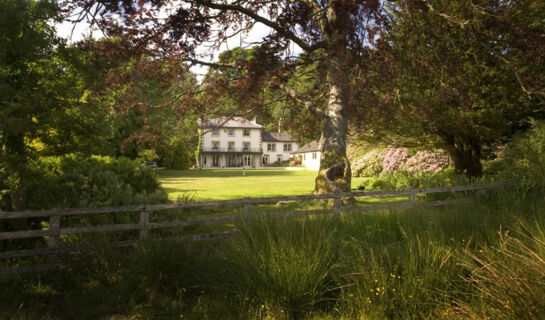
{"points": [[144, 225]]}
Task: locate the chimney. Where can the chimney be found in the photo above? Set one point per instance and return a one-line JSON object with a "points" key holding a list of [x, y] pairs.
{"points": [[279, 125]]}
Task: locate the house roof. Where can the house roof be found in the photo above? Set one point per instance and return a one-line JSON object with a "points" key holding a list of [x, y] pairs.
{"points": [[311, 147], [225, 122], [277, 137]]}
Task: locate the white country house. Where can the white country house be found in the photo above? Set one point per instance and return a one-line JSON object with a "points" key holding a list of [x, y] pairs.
{"points": [[238, 142], [277, 147], [310, 155]]}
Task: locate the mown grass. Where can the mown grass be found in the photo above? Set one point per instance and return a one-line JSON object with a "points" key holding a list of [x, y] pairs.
{"points": [[231, 184], [474, 261]]}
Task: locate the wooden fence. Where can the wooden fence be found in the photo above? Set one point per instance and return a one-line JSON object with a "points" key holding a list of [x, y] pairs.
{"points": [[54, 231]]}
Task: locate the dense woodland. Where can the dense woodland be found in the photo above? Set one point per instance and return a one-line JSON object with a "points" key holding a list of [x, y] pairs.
{"points": [[464, 78]]}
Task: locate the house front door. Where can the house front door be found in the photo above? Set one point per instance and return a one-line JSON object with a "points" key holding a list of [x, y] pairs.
{"points": [[247, 160], [215, 161]]}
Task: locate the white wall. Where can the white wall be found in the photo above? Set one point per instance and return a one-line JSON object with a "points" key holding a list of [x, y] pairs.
{"points": [[309, 162], [279, 150], [223, 138]]}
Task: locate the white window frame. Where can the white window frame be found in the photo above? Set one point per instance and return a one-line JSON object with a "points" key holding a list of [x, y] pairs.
{"points": [[215, 145], [230, 145], [287, 147], [246, 132], [231, 132], [271, 147], [216, 133]]}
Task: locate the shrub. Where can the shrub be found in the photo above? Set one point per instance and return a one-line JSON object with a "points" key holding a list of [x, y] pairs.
{"points": [[403, 180], [370, 164], [426, 162], [524, 157], [394, 159], [399, 160], [175, 155], [76, 181]]}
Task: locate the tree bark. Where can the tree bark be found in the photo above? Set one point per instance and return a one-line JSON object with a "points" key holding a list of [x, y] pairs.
{"points": [[335, 174], [467, 159]]}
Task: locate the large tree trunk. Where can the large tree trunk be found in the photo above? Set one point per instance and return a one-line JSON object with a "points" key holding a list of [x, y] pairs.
{"points": [[467, 158], [335, 173]]}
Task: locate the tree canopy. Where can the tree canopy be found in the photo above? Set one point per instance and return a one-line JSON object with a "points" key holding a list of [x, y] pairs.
{"points": [[331, 34], [460, 75]]}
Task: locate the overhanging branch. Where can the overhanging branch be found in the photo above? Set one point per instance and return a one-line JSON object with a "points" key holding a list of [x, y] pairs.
{"points": [[212, 64], [307, 103], [238, 8]]}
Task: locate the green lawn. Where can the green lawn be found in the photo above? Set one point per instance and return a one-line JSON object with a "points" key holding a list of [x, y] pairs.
{"points": [[231, 184]]}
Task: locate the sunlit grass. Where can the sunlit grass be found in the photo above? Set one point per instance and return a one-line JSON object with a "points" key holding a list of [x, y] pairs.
{"points": [[232, 184]]}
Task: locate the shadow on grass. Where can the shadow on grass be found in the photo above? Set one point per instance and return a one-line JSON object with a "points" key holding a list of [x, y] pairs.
{"points": [[212, 173]]}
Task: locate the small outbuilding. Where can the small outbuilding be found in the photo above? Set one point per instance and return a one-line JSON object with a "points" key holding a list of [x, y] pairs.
{"points": [[310, 155]]}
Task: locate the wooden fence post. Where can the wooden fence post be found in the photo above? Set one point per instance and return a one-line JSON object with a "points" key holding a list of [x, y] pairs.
{"points": [[144, 221], [412, 198], [337, 204], [247, 207], [53, 240]]}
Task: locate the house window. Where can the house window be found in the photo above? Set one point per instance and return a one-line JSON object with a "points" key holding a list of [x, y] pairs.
{"points": [[271, 146], [314, 156], [231, 146], [265, 160], [287, 147], [204, 160], [215, 161], [246, 132], [246, 146], [215, 145], [216, 132], [279, 158], [231, 132]]}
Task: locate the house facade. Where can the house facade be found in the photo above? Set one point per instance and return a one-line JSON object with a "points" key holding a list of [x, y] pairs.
{"points": [[277, 147], [310, 155], [238, 142]]}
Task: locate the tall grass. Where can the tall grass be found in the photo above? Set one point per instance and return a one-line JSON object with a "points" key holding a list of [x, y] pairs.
{"points": [[510, 278], [484, 260], [285, 267]]}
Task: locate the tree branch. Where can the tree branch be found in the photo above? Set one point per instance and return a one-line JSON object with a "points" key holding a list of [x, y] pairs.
{"points": [[307, 103], [212, 64], [238, 8]]}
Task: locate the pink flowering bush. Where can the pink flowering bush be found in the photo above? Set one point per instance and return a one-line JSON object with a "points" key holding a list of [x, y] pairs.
{"points": [[394, 160], [369, 164], [399, 160], [426, 162]]}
